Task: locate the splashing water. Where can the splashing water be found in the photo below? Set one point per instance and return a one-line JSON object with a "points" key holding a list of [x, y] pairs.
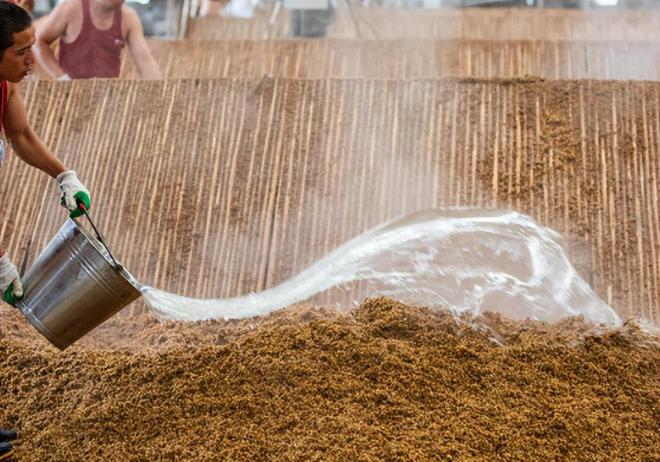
{"points": [[464, 260]]}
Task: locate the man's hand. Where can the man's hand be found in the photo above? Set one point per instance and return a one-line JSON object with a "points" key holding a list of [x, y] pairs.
{"points": [[73, 192], [10, 282]]}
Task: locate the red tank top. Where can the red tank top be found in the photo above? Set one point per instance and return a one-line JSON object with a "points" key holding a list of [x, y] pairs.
{"points": [[4, 97], [94, 53]]}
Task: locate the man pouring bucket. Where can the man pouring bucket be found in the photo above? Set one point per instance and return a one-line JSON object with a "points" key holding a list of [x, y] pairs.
{"points": [[16, 60]]}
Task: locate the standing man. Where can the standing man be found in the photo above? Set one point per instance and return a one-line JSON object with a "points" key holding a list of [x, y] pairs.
{"points": [[16, 61], [92, 35]]}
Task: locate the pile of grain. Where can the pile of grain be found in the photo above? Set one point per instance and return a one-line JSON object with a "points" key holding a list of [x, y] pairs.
{"points": [[386, 382]]}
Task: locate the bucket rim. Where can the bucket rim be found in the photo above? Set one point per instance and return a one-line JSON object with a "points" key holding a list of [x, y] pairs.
{"points": [[98, 247]]}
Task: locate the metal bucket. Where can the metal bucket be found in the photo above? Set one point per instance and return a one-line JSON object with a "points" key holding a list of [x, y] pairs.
{"points": [[72, 287]]}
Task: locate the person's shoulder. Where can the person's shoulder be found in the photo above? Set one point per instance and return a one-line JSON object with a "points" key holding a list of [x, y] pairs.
{"points": [[55, 24], [130, 19], [67, 7], [129, 12], [11, 88]]}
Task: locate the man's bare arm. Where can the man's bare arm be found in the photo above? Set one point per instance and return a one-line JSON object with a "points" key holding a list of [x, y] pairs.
{"points": [[53, 28], [140, 52], [26, 143]]}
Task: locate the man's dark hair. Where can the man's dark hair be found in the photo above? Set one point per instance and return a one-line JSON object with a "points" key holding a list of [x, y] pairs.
{"points": [[13, 19]]}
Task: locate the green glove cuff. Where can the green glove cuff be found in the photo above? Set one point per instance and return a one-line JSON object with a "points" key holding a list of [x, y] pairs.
{"points": [[84, 198], [9, 297]]}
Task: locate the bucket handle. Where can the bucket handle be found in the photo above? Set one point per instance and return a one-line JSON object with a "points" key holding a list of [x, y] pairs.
{"points": [[82, 207]]}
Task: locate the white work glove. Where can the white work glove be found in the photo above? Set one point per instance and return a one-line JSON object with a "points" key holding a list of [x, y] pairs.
{"points": [[10, 281], [73, 192], [64, 78]]}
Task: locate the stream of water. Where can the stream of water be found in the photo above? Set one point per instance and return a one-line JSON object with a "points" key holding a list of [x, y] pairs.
{"points": [[462, 260]]}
